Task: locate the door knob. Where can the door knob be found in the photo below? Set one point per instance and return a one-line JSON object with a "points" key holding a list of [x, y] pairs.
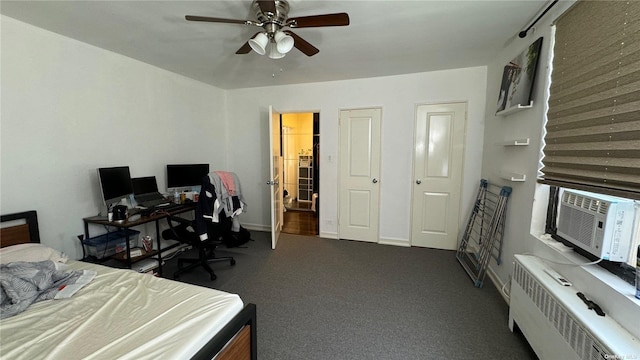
{"points": [[374, 180], [418, 181]]}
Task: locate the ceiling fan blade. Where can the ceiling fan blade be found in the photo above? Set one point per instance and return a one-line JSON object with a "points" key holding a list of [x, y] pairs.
{"points": [[302, 44], [213, 19], [339, 19], [267, 6], [246, 48]]}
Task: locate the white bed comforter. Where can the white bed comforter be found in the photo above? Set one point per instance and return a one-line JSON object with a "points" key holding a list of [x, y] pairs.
{"points": [[121, 314]]}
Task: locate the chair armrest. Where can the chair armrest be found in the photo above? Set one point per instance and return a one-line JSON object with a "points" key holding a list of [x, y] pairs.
{"points": [[172, 229]]}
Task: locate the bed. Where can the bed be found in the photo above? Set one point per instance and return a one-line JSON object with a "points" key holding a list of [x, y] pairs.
{"points": [[124, 314]]}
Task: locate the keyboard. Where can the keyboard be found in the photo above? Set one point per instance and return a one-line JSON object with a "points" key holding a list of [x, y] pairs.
{"points": [[149, 197], [169, 207], [153, 203]]}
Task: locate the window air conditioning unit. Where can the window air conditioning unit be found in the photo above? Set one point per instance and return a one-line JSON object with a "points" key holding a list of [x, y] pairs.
{"points": [[599, 224]]}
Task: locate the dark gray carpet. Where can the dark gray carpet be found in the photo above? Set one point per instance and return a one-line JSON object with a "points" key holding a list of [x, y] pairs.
{"points": [[336, 299]]}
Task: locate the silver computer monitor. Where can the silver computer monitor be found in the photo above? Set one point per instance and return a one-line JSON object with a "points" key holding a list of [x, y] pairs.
{"points": [[115, 184]]}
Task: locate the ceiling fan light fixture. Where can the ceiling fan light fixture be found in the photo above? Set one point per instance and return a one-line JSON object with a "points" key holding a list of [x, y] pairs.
{"points": [[274, 53], [274, 39], [259, 43], [284, 42]]}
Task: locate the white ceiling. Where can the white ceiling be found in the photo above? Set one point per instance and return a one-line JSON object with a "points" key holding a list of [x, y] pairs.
{"points": [[384, 37]]}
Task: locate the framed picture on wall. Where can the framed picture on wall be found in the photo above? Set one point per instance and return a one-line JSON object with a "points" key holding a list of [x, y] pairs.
{"points": [[518, 77]]}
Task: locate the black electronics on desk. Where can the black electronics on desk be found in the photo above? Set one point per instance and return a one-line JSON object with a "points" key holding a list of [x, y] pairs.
{"points": [[145, 191], [186, 176], [115, 184]]}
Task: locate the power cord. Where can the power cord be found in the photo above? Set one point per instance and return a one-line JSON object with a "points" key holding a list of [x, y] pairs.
{"points": [[548, 237], [176, 253], [563, 263], [506, 294]]}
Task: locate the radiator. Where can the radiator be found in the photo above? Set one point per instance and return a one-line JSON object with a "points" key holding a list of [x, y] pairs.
{"points": [[557, 324]]}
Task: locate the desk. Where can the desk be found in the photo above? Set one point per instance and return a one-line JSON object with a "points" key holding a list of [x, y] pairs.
{"points": [[125, 225]]}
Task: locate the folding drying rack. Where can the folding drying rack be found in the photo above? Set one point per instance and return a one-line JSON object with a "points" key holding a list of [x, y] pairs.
{"points": [[482, 238]]}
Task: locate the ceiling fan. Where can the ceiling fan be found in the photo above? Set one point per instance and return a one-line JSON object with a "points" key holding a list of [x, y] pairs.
{"points": [[272, 16]]}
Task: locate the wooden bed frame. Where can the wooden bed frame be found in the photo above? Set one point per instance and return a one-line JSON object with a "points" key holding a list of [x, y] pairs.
{"points": [[237, 340]]}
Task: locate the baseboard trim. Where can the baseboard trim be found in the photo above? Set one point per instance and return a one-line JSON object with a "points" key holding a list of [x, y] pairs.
{"points": [[328, 235], [267, 228], [257, 227], [394, 242], [498, 284]]}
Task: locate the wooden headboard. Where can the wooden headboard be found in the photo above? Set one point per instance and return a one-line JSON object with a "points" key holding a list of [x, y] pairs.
{"points": [[22, 228]]}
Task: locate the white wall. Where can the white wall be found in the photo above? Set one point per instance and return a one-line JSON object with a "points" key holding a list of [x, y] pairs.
{"points": [[397, 96], [528, 201], [69, 108], [521, 159]]}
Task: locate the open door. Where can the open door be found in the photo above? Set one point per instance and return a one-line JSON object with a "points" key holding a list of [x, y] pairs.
{"points": [[275, 173]]}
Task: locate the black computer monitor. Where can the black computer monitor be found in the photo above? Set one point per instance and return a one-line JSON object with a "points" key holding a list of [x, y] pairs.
{"points": [[186, 175], [144, 185], [115, 184]]}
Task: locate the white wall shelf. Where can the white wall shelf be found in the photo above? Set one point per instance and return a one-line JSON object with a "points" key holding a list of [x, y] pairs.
{"points": [[514, 109], [515, 142], [513, 177], [305, 178]]}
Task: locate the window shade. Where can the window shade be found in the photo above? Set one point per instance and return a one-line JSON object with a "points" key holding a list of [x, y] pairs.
{"points": [[593, 129]]}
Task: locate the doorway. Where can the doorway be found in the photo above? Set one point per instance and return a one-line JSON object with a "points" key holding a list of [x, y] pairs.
{"points": [[300, 140]]}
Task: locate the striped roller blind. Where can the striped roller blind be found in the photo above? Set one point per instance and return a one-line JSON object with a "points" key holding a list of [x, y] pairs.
{"points": [[593, 130]]}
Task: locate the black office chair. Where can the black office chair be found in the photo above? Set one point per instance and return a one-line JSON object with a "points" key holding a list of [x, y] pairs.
{"points": [[184, 232]]}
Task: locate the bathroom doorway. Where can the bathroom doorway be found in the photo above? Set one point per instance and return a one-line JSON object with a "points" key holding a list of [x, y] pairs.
{"points": [[300, 133]]}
